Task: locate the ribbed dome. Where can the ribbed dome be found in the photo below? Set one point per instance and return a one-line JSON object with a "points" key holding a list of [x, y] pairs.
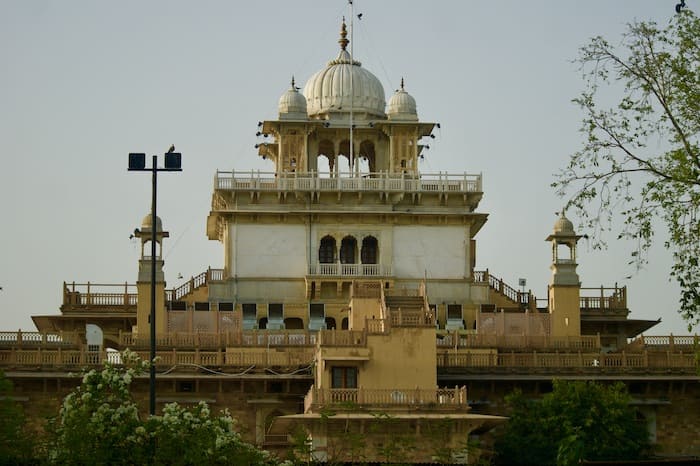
{"points": [[146, 224], [292, 105], [563, 226], [402, 106], [328, 91]]}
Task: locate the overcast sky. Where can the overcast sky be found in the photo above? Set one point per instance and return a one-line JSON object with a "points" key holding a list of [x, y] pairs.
{"points": [[83, 83]]}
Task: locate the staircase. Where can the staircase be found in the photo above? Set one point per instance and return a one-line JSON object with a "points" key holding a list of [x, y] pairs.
{"points": [[504, 296], [405, 303], [194, 283]]}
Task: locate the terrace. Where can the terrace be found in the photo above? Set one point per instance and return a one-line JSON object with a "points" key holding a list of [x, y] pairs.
{"points": [[256, 181], [401, 398]]}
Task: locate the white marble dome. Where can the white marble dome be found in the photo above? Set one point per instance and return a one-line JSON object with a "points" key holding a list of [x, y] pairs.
{"points": [[292, 105], [563, 226], [402, 106], [328, 91]]}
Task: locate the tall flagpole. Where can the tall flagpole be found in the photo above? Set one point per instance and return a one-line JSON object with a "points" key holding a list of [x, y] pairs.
{"points": [[352, 93]]}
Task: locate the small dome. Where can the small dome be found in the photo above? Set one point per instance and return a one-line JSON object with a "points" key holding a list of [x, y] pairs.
{"points": [[146, 224], [292, 105], [328, 91], [563, 226], [402, 106]]}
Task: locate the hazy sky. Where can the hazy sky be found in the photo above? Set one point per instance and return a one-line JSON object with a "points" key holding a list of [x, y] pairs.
{"points": [[83, 83]]}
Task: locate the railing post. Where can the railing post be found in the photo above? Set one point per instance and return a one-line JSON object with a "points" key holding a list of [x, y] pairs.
{"points": [[126, 295]]}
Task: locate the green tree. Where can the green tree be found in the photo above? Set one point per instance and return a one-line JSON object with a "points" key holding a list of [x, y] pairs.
{"points": [[99, 423], [577, 420], [15, 446], [640, 163]]}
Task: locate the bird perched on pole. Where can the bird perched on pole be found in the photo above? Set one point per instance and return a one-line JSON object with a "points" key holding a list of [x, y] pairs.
{"points": [[172, 149]]}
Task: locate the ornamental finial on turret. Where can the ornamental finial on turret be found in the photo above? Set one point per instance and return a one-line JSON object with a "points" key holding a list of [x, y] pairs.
{"points": [[343, 41]]}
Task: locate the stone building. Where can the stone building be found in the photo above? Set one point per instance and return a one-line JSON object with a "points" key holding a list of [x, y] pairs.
{"points": [[348, 310]]}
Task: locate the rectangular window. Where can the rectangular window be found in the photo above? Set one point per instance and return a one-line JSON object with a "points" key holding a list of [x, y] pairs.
{"points": [[178, 306], [226, 306], [201, 306], [344, 377]]}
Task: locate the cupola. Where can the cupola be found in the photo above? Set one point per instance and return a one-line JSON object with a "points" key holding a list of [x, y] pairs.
{"points": [[343, 85], [402, 106], [292, 105]]}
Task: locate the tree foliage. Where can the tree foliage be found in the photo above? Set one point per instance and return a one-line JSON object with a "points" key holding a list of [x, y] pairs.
{"points": [[99, 423], [640, 162], [576, 421], [15, 446]]}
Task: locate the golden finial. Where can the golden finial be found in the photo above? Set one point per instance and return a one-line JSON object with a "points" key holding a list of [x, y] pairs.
{"points": [[343, 41]]}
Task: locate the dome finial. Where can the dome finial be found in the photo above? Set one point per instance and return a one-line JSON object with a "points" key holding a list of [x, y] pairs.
{"points": [[293, 82], [402, 83], [343, 41]]}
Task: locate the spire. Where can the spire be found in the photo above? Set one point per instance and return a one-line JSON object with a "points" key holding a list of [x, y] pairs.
{"points": [[293, 86], [402, 83], [343, 41]]}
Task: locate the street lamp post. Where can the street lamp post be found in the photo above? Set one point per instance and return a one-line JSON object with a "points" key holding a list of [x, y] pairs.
{"points": [[173, 163]]}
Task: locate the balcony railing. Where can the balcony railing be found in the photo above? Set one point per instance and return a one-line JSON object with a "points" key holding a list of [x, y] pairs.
{"points": [[459, 339], [350, 270], [221, 359], [39, 339], [390, 397], [672, 343], [78, 296], [568, 360], [315, 182], [604, 299], [209, 340]]}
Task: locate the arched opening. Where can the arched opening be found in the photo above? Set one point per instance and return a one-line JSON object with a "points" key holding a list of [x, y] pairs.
{"points": [[94, 337], [317, 314], [327, 250], [370, 250], [293, 323], [348, 248], [146, 248], [344, 158], [262, 323], [367, 158], [343, 165], [344, 324], [325, 160], [330, 323], [324, 166]]}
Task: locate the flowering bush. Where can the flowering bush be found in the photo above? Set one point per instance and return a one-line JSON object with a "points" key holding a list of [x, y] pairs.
{"points": [[99, 424]]}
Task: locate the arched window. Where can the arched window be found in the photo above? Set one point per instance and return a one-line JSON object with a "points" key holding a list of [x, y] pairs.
{"points": [[326, 252], [370, 250], [347, 250]]}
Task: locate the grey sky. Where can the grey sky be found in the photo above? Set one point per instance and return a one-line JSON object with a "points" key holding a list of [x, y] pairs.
{"points": [[85, 82]]}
